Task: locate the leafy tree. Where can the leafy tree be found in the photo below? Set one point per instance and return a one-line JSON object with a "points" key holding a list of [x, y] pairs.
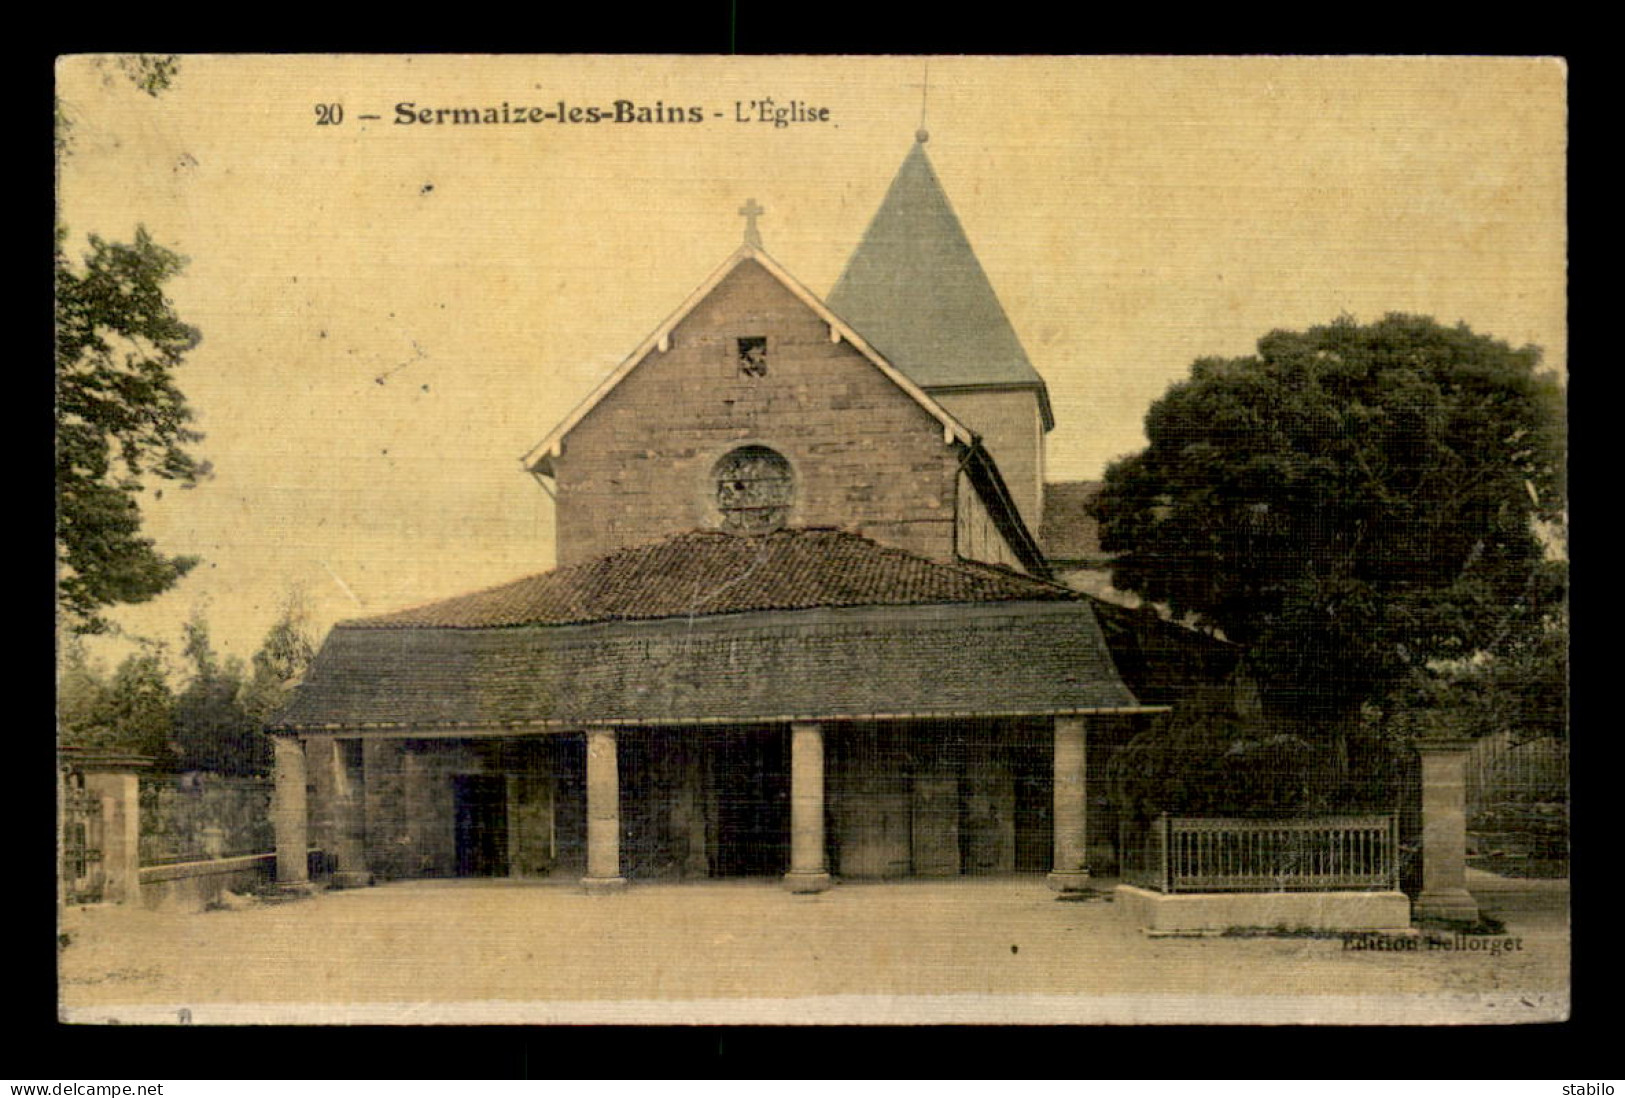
{"points": [[151, 72], [135, 711], [121, 421], [213, 731], [281, 660], [220, 715], [1352, 505], [81, 694], [1521, 686]]}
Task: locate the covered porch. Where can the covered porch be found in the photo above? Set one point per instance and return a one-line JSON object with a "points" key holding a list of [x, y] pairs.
{"points": [[797, 801]]}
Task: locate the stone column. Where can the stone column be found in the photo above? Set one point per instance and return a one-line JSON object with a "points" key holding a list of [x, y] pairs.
{"points": [[349, 814], [1444, 833], [1071, 869], [603, 814], [808, 872], [288, 815], [118, 793]]}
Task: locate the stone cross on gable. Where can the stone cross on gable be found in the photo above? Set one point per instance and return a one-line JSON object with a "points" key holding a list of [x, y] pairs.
{"points": [[751, 211]]}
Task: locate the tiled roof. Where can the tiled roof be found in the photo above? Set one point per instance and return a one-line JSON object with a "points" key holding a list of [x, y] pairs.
{"points": [[914, 289], [1162, 661], [987, 658], [1068, 531], [708, 572]]}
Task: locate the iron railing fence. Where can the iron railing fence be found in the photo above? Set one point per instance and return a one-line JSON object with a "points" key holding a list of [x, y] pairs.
{"points": [[1313, 854]]}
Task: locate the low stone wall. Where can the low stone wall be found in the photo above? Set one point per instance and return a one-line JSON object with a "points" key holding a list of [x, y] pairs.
{"points": [[193, 886], [1211, 912], [196, 816]]}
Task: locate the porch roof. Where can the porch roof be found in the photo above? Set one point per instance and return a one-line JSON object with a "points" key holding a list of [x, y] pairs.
{"points": [[1003, 658]]}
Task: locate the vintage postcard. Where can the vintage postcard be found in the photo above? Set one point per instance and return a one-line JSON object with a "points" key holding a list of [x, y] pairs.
{"points": [[577, 539]]}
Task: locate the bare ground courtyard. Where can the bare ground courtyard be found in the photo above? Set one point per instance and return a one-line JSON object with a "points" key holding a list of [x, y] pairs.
{"points": [[963, 950]]}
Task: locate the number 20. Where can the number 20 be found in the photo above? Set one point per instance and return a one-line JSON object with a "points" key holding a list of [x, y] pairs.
{"points": [[329, 114]]}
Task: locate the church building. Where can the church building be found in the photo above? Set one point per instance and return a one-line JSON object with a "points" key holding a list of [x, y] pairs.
{"points": [[801, 627]]}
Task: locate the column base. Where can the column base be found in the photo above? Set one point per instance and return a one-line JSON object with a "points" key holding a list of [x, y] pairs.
{"points": [[292, 890], [798, 880], [1453, 905], [1073, 880], [352, 878], [598, 886]]}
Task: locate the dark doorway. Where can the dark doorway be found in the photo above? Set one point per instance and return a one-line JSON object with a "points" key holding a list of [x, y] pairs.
{"points": [[753, 803], [567, 756], [482, 824]]}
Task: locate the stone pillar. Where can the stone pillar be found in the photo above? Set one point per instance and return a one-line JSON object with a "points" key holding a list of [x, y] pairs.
{"points": [[288, 815], [808, 872], [349, 814], [118, 792], [603, 814], [1444, 833], [1070, 872]]}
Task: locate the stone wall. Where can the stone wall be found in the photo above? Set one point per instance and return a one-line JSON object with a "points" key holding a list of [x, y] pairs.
{"points": [[864, 454], [1012, 429], [410, 796], [201, 815], [389, 822], [195, 886], [978, 537], [926, 800]]}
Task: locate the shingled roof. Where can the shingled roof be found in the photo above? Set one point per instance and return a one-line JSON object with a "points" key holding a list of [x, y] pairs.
{"points": [[710, 572], [860, 663], [914, 289], [708, 627]]}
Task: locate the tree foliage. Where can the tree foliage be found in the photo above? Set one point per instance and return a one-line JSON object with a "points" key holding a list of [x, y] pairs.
{"points": [[133, 711], [121, 420], [1351, 504], [281, 660], [122, 423], [1520, 687], [214, 723], [220, 714], [213, 730]]}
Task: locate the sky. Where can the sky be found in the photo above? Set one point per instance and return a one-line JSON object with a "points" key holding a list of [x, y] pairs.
{"points": [[394, 313]]}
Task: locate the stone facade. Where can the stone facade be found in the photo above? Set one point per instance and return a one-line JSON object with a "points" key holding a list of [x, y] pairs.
{"points": [[866, 456], [836, 694], [1012, 428]]}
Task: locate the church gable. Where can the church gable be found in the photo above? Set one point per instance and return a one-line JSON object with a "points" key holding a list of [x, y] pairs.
{"points": [[754, 408]]}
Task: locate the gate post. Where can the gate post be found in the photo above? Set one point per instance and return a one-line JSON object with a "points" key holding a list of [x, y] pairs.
{"points": [[113, 788], [1444, 832]]}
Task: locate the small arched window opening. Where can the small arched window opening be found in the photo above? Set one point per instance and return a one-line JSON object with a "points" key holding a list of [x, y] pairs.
{"points": [[755, 488]]}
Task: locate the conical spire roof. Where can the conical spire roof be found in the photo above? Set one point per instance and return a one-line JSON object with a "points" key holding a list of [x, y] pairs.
{"points": [[915, 291]]}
